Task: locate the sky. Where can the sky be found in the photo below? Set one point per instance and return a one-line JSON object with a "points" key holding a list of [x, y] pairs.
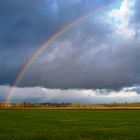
{"points": [[94, 61]]}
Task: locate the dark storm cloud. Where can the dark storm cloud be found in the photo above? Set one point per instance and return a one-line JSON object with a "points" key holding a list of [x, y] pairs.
{"points": [[101, 64], [90, 55], [27, 24]]}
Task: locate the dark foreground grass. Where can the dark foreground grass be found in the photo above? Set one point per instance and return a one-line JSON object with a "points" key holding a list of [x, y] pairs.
{"points": [[70, 124]]}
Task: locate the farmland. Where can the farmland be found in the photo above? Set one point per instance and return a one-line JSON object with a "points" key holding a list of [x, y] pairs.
{"points": [[69, 124]]}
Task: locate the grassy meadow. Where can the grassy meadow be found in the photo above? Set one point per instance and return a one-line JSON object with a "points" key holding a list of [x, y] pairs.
{"points": [[69, 124]]}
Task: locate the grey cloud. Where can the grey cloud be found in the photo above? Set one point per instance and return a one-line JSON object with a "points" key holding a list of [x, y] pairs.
{"points": [[137, 12], [93, 63]]}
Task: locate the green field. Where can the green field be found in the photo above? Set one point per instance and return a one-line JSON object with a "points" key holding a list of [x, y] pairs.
{"points": [[70, 124]]}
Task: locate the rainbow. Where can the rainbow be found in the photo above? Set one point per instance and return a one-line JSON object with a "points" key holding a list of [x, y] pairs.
{"points": [[46, 44]]}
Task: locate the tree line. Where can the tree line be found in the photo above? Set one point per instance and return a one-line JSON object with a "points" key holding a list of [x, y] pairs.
{"points": [[66, 105]]}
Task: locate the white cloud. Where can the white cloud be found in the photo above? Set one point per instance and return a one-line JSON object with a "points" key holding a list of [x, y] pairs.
{"points": [[41, 94], [121, 18], [122, 94]]}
